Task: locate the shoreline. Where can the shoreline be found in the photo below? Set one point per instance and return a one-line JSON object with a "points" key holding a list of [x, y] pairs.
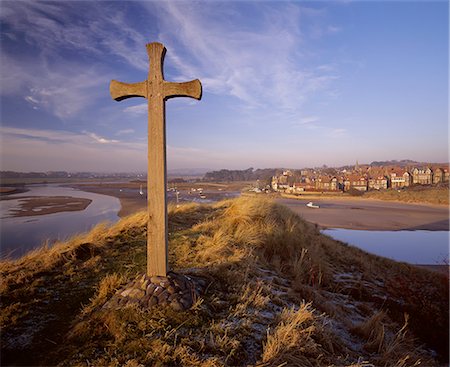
{"points": [[335, 211], [359, 198], [349, 213], [373, 215]]}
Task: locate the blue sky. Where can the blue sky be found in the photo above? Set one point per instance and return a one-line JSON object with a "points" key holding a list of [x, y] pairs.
{"points": [[285, 84]]}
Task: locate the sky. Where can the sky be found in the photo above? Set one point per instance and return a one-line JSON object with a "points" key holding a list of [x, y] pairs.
{"points": [[285, 84]]}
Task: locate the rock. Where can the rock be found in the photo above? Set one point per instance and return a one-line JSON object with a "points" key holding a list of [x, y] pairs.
{"points": [[150, 288], [145, 299], [153, 301], [163, 296], [165, 283], [175, 291], [158, 290]]}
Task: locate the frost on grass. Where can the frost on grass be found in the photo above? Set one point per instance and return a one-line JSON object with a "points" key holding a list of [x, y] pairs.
{"points": [[277, 293]]}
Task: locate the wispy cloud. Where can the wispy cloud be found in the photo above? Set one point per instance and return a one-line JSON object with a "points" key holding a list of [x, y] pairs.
{"points": [[53, 88], [55, 27], [308, 120], [337, 133], [50, 77], [59, 149], [139, 109], [32, 149], [261, 66], [100, 139], [125, 132]]}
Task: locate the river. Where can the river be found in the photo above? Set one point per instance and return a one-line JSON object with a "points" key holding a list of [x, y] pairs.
{"points": [[22, 234], [414, 247]]}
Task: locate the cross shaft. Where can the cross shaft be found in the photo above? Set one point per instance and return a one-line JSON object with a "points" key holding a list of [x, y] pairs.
{"points": [[157, 91]]}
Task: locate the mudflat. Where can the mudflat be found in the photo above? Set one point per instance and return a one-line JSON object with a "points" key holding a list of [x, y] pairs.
{"points": [[368, 214], [348, 212], [41, 205], [132, 201]]}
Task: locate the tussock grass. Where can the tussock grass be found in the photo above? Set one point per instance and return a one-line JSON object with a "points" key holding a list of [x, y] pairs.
{"points": [[416, 194], [292, 342], [278, 293]]}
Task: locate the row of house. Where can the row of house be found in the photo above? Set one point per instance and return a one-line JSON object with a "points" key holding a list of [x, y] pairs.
{"points": [[361, 179]]}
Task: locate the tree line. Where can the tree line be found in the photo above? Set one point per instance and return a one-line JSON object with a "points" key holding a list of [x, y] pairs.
{"points": [[249, 174]]}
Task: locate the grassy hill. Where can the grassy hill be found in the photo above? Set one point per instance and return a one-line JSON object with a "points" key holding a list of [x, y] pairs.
{"points": [[278, 293]]}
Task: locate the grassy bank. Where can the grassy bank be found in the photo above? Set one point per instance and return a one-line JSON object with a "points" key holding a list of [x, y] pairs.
{"points": [[279, 293], [416, 194]]}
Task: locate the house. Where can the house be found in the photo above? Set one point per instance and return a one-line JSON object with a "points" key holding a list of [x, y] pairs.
{"points": [[326, 183], [440, 174], [422, 176], [399, 178], [303, 186], [356, 182], [274, 183], [378, 183]]}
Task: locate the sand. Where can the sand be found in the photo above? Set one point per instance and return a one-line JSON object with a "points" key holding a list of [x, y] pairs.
{"points": [[349, 213], [41, 205], [132, 201], [368, 214]]}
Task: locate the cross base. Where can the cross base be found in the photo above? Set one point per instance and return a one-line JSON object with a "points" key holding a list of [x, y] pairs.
{"points": [[177, 291]]}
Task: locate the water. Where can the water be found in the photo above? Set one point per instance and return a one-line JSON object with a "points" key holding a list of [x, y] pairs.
{"points": [[22, 234], [414, 247]]}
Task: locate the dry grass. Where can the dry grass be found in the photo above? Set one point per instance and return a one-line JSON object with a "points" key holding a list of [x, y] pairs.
{"points": [[278, 293], [294, 339], [417, 194]]}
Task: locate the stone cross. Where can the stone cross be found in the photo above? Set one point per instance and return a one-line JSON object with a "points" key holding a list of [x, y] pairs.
{"points": [[157, 91]]}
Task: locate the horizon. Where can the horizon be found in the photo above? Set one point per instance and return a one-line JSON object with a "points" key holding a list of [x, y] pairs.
{"points": [[285, 84], [202, 170]]}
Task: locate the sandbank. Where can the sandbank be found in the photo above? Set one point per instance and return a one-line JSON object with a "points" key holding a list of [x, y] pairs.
{"points": [[334, 212], [362, 214], [42, 205]]}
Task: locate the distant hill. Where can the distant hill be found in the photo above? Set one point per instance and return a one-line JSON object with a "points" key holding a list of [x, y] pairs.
{"points": [[241, 175], [192, 172], [401, 163]]}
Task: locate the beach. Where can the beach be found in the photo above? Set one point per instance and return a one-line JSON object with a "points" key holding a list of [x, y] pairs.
{"points": [[348, 212], [369, 214], [333, 212]]}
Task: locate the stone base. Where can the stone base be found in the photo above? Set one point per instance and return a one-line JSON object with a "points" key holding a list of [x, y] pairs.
{"points": [[177, 291]]}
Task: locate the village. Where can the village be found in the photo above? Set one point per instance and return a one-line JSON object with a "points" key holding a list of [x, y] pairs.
{"points": [[359, 178]]}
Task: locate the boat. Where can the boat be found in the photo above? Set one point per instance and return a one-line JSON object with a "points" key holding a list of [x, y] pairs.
{"points": [[202, 196], [311, 205]]}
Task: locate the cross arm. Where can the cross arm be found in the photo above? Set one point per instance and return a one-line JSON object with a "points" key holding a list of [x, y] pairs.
{"points": [[191, 89], [120, 91]]}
